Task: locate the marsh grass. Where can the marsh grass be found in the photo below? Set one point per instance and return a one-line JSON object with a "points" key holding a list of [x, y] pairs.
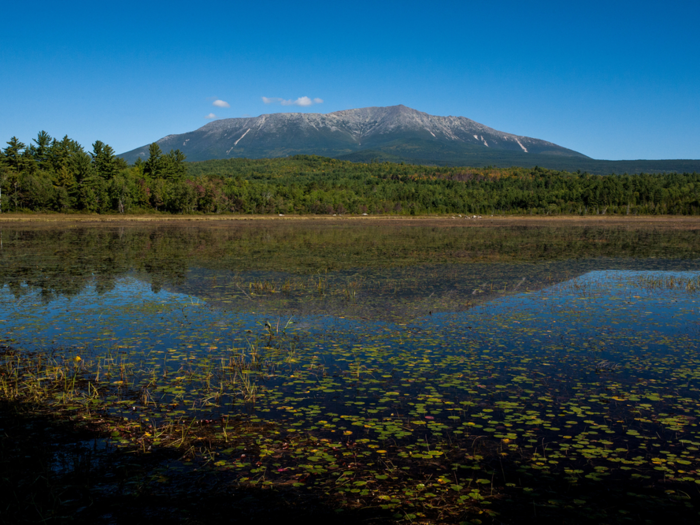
{"points": [[647, 282], [99, 392], [491, 473]]}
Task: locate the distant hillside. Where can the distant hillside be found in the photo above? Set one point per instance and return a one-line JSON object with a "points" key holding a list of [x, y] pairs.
{"points": [[394, 130], [389, 134], [318, 185], [508, 159]]}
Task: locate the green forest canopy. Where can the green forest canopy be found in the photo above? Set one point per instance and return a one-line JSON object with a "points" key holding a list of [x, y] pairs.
{"points": [[59, 175]]}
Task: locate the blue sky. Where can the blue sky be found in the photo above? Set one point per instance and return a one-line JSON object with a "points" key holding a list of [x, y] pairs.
{"points": [[613, 80]]}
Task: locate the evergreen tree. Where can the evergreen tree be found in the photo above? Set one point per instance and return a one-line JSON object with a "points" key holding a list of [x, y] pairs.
{"points": [[63, 153], [81, 166], [173, 166], [41, 150], [92, 194], [139, 165], [14, 161], [104, 160], [154, 165], [13, 154], [66, 189]]}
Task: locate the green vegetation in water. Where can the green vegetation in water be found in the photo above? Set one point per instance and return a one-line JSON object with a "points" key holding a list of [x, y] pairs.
{"points": [[573, 403]]}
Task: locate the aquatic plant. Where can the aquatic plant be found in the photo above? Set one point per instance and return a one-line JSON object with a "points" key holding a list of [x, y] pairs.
{"points": [[571, 392]]}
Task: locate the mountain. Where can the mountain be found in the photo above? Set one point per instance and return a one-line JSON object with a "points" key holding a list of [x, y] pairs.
{"points": [[394, 133], [391, 134]]}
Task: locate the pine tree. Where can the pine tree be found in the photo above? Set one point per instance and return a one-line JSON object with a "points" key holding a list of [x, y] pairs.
{"points": [[66, 188], [104, 160], [173, 164], [41, 150], [13, 154], [154, 165]]}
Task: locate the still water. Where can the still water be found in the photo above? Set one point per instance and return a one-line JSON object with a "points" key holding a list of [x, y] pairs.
{"points": [[564, 352]]}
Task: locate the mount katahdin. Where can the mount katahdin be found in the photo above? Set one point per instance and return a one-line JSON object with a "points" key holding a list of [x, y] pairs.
{"points": [[394, 133]]}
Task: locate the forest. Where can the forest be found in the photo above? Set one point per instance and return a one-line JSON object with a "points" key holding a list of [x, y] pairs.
{"points": [[52, 175]]}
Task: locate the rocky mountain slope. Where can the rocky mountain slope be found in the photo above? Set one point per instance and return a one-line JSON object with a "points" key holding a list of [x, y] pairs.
{"points": [[387, 133]]}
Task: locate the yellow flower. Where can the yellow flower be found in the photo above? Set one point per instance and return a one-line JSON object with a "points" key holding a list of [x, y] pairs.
{"points": [[77, 359]]}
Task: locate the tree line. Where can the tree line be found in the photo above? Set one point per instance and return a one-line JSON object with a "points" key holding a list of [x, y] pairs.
{"points": [[59, 175]]}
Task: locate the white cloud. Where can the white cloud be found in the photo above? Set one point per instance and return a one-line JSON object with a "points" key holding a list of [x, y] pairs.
{"points": [[221, 104], [210, 115], [301, 101]]}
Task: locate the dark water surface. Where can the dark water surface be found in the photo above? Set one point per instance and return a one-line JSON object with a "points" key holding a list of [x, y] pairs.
{"points": [[455, 362]]}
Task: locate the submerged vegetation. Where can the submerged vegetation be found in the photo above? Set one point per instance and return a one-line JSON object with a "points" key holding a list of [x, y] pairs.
{"points": [[479, 375], [52, 175]]}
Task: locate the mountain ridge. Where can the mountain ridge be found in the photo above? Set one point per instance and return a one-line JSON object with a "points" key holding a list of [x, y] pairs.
{"points": [[400, 129]]}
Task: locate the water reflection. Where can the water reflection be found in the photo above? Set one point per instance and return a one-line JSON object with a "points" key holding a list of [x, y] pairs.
{"points": [[613, 305], [417, 364], [62, 261]]}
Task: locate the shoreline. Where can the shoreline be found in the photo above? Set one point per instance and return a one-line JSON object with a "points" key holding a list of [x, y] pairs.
{"points": [[27, 218]]}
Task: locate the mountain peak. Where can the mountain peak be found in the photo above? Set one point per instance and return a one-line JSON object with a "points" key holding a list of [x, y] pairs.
{"points": [[396, 129]]}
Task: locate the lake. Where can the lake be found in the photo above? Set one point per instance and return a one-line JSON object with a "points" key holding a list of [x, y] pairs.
{"points": [[434, 371]]}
